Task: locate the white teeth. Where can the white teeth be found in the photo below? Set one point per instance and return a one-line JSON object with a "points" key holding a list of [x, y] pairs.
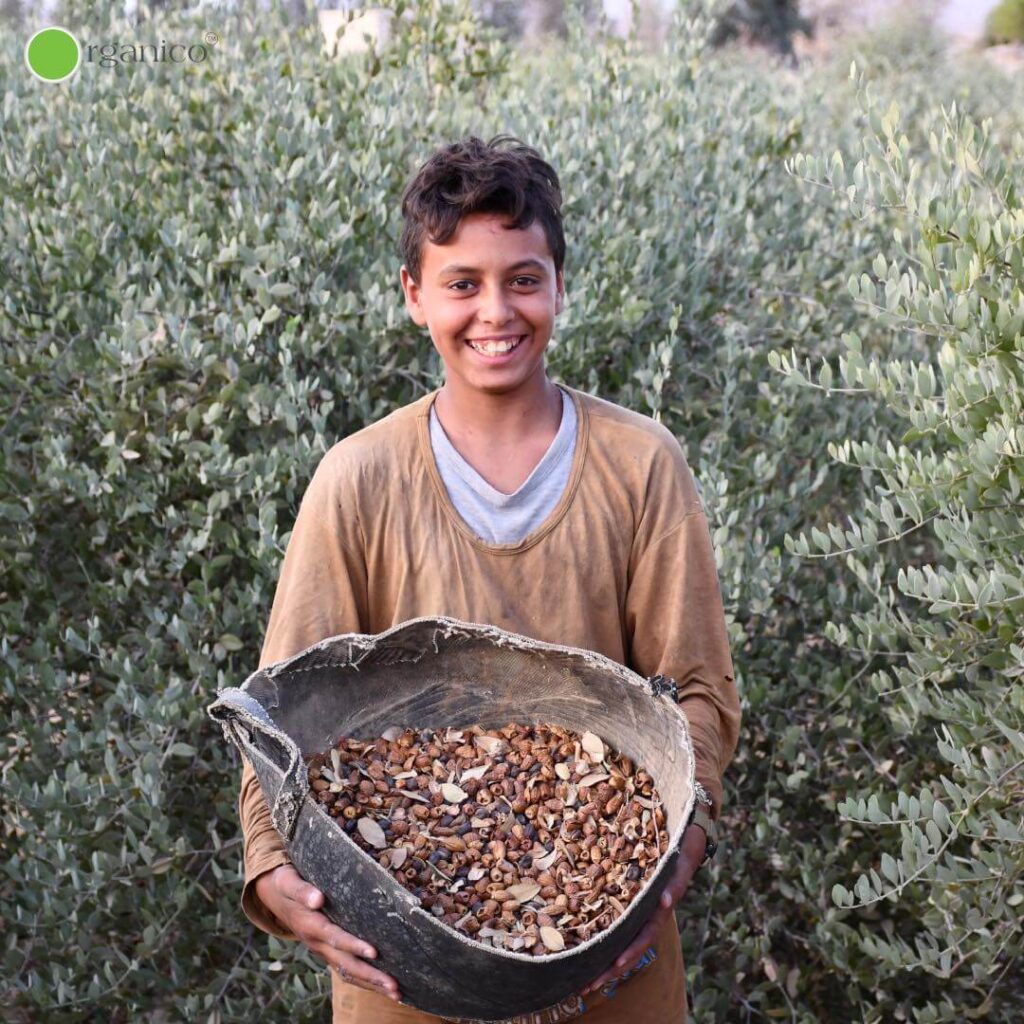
{"points": [[494, 348]]}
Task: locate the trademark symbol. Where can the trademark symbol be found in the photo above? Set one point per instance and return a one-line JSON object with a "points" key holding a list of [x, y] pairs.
{"points": [[211, 39]]}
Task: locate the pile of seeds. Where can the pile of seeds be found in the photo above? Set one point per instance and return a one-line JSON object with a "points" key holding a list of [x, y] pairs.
{"points": [[530, 838]]}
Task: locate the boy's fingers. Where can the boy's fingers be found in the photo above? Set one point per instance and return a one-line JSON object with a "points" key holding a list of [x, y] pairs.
{"points": [[636, 948], [672, 895], [332, 935], [357, 971], [292, 886], [629, 956]]}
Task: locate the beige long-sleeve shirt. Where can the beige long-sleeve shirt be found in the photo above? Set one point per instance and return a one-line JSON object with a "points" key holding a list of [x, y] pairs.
{"points": [[623, 565]]}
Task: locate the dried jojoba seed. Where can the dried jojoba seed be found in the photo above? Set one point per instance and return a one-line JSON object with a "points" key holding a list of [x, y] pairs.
{"points": [[474, 859]]}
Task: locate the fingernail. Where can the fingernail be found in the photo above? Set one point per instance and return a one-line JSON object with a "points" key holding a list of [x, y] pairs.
{"points": [[368, 952]]}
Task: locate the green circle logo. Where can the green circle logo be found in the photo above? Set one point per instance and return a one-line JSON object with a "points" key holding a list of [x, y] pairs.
{"points": [[53, 54]]}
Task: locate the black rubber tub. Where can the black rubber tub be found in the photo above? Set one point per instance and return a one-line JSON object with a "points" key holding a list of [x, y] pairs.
{"points": [[438, 673]]}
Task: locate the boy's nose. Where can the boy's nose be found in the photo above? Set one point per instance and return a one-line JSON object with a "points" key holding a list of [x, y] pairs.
{"points": [[496, 309]]}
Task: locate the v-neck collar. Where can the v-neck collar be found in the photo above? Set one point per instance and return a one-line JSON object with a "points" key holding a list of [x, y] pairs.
{"points": [[545, 464], [556, 514]]}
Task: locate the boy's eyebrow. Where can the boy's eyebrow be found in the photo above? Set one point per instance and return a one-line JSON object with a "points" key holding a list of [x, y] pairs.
{"points": [[458, 268]]}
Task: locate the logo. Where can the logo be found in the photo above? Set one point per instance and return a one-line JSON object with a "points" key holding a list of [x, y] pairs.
{"points": [[53, 54]]}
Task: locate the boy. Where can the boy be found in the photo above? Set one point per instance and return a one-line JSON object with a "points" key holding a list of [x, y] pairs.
{"points": [[507, 499]]}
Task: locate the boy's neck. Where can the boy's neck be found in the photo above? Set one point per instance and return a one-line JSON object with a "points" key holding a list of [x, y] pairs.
{"points": [[499, 420]]}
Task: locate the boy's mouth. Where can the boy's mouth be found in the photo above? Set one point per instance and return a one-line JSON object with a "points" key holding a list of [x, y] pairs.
{"points": [[496, 348]]}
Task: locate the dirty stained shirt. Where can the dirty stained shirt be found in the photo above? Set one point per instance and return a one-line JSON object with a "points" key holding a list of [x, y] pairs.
{"points": [[623, 565]]}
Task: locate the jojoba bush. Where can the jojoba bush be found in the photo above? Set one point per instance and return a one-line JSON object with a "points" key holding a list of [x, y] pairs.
{"points": [[813, 279]]}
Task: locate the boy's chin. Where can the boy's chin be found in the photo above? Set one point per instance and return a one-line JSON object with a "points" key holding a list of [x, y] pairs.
{"points": [[471, 384]]}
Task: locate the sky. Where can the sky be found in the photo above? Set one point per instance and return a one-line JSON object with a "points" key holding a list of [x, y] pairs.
{"points": [[966, 17]]}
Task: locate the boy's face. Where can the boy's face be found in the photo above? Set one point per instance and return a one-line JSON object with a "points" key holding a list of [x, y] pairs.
{"points": [[488, 282]]}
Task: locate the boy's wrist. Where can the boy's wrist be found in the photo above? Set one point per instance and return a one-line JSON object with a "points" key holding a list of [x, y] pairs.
{"points": [[701, 816]]}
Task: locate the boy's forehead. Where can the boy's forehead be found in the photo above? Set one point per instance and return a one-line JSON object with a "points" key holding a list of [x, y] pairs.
{"points": [[484, 241]]}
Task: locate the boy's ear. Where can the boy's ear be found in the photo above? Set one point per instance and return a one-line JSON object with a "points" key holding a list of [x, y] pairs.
{"points": [[559, 292], [411, 290]]}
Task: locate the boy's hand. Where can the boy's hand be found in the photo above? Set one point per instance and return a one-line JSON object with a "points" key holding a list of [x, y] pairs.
{"points": [[296, 904], [691, 853]]}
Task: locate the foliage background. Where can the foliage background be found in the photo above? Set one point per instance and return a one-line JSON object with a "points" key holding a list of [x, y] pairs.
{"points": [[200, 296], [1006, 22]]}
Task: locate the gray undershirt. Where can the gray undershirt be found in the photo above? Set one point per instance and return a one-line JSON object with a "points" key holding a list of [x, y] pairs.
{"points": [[498, 518]]}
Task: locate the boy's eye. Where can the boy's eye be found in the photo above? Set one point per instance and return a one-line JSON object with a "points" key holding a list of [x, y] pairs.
{"points": [[521, 280]]}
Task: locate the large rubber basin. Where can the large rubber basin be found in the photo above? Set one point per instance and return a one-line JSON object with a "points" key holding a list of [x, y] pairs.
{"points": [[437, 673]]}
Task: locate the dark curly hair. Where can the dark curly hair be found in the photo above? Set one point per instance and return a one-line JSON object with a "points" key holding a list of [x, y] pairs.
{"points": [[471, 176]]}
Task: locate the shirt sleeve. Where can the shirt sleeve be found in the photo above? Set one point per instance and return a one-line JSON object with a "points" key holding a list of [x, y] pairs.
{"points": [[675, 626], [321, 592]]}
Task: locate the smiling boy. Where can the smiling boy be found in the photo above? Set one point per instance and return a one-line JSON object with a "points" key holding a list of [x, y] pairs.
{"points": [[503, 498]]}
